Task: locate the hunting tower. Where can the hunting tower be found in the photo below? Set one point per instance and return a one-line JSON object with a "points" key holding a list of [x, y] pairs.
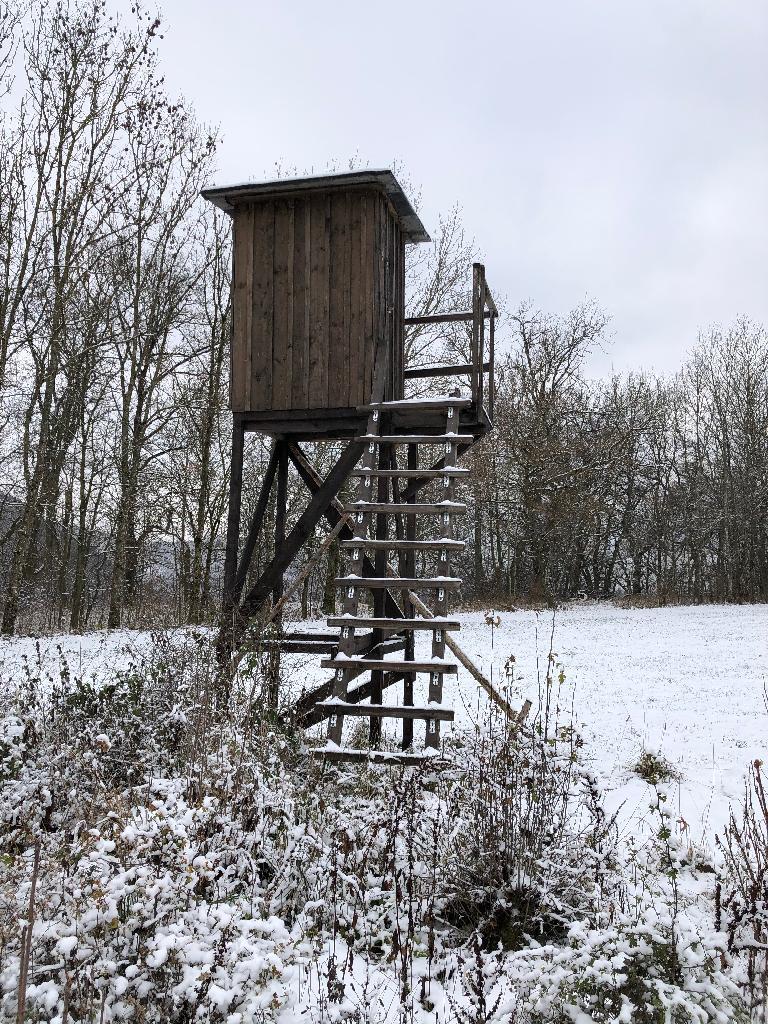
{"points": [[318, 353]]}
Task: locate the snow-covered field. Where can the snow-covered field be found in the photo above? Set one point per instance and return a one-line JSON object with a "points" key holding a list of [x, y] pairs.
{"points": [[688, 683]]}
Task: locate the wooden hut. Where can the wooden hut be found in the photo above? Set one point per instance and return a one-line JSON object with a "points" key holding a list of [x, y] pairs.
{"points": [[319, 280], [318, 334]]}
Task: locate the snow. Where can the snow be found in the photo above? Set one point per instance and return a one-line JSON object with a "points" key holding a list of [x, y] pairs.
{"points": [[224, 942], [90, 654], [688, 682]]}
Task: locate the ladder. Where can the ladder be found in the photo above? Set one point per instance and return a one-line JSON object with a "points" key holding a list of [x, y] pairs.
{"points": [[380, 496]]}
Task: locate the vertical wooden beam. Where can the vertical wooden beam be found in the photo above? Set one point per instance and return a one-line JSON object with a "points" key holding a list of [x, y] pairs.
{"points": [[409, 654], [337, 353], [477, 320], [262, 391], [319, 281], [242, 312], [491, 361], [357, 393], [481, 353], [280, 510], [283, 296], [380, 563], [254, 528], [281, 501], [233, 518]]}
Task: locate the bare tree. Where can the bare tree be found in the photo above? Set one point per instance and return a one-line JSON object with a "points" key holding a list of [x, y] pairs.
{"points": [[155, 274], [200, 397], [82, 73]]}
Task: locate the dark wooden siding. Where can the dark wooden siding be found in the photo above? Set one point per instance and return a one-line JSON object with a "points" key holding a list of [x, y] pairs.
{"points": [[317, 280]]}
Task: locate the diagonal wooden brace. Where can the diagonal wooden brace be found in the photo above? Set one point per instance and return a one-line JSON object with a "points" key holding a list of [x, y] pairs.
{"points": [[308, 711], [323, 497], [255, 526]]}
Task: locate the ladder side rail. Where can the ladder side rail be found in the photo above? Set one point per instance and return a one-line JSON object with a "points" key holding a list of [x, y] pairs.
{"points": [[380, 563], [491, 366], [440, 604], [477, 320], [342, 677], [408, 569]]}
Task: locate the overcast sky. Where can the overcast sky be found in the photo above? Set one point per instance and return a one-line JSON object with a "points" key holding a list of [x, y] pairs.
{"points": [[612, 149]]}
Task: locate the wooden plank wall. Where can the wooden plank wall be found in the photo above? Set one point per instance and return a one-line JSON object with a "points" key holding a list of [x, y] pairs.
{"points": [[317, 279]]}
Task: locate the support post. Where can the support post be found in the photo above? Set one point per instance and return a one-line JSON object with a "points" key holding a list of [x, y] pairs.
{"points": [[254, 528], [409, 559], [280, 511], [380, 564], [281, 501], [491, 365], [233, 518], [477, 324]]}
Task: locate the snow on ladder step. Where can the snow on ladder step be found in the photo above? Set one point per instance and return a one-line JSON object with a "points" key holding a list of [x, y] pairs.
{"points": [[437, 666], [432, 509], [424, 474], [399, 624], [438, 402], [417, 438], [423, 712], [427, 757], [436, 544]]}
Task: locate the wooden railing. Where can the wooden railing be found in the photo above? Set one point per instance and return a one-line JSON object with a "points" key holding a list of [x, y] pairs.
{"points": [[483, 309]]}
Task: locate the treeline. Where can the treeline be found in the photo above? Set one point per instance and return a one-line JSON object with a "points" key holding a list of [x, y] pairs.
{"points": [[114, 314], [637, 485], [114, 429]]}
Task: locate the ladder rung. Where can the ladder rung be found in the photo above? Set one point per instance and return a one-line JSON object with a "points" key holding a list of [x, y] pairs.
{"points": [[304, 634], [453, 507], [427, 473], [399, 582], [398, 624], [404, 545], [439, 402], [426, 713], [438, 666], [333, 753], [417, 438]]}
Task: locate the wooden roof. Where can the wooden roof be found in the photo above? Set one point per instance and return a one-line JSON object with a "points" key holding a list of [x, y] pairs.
{"points": [[226, 197]]}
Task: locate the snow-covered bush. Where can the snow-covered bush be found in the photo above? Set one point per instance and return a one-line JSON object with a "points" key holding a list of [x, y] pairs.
{"points": [[647, 968], [166, 858], [530, 843], [742, 891], [647, 954]]}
